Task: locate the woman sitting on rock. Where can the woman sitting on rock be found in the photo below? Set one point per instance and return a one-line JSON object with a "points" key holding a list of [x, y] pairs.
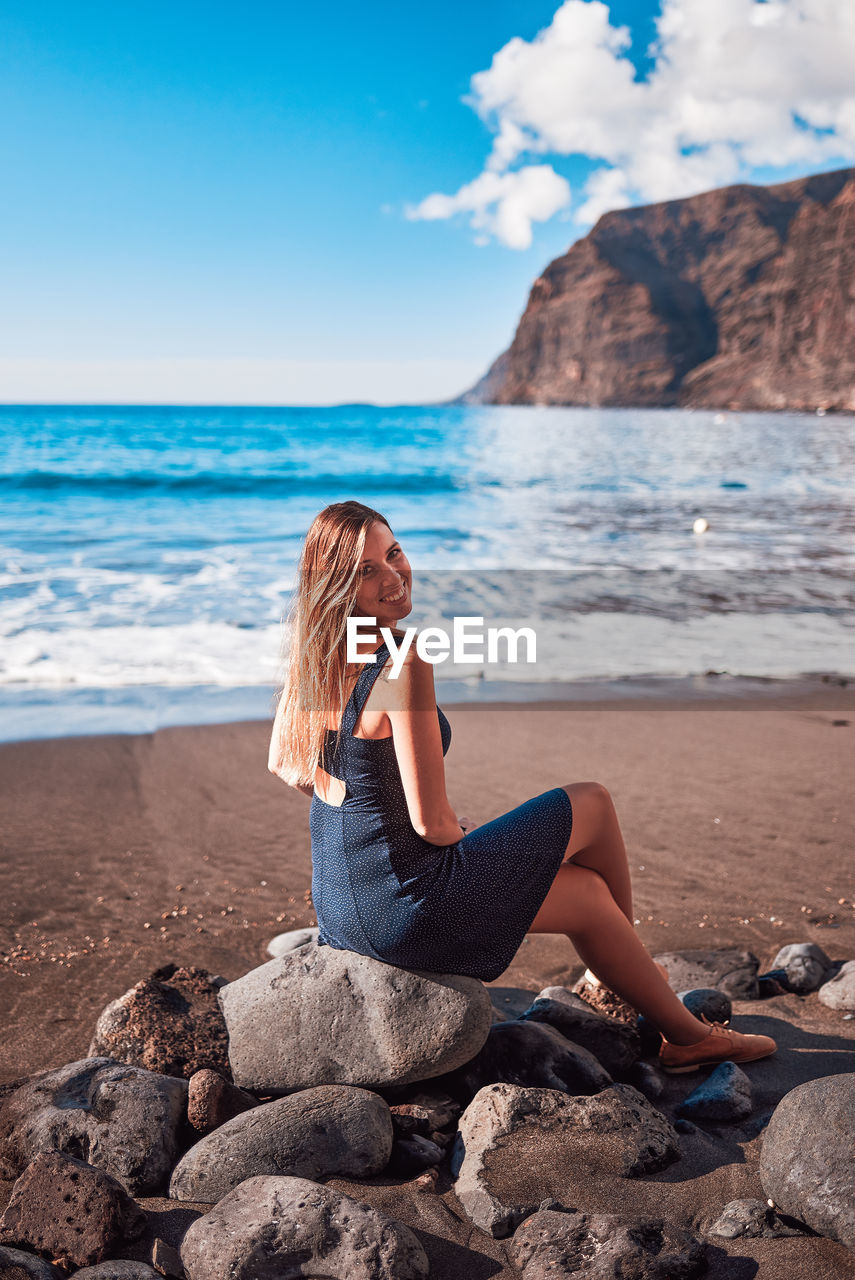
{"points": [[395, 874]]}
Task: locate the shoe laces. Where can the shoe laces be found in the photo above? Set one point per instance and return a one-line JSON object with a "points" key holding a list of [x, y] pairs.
{"points": [[722, 1028]]}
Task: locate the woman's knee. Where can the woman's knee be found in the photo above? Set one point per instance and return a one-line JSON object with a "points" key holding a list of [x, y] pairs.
{"points": [[591, 803], [589, 792]]}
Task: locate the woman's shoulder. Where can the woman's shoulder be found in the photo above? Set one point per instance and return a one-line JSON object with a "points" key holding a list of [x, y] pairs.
{"points": [[408, 680]]}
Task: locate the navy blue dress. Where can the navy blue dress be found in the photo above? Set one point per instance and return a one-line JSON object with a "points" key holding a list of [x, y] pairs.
{"points": [[381, 890]]}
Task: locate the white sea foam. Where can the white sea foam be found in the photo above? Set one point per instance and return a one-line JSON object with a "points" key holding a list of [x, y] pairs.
{"points": [[583, 647]]}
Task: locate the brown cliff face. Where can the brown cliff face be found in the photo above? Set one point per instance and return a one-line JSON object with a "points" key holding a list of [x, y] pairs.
{"points": [[739, 298]]}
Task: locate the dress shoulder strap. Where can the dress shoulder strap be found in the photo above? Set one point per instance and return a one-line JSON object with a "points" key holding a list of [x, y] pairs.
{"points": [[362, 688]]}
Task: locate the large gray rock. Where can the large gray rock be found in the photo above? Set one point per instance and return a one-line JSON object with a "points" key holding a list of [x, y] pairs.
{"points": [[16, 1264], [532, 1054], [119, 1118], [329, 1130], [805, 964], [616, 1132], [614, 1044], [730, 969], [839, 991], [806, 1160], [600, 1246], [286, 1228], [319, 1015]]}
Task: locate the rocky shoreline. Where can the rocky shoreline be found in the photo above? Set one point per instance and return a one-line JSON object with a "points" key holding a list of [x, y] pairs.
{"points": [[261, 1127]]}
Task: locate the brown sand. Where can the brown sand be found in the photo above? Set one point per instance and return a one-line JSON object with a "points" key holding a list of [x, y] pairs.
{"points": [[122, 853]]}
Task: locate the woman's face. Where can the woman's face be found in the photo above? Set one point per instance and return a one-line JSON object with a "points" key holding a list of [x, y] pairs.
{"points": [[385, 578]]}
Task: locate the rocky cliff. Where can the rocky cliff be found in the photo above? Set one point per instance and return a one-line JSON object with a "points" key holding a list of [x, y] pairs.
{"points": [[739, 298]]}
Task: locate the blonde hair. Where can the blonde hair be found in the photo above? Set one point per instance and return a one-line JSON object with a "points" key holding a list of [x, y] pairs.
{"points": [[316, 664]]}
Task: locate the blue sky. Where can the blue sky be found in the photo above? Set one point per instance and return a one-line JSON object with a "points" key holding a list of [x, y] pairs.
{"points": [[208, 203]]}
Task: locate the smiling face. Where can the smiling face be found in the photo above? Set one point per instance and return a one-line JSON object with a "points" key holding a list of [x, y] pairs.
{"points": [[385, 578]]}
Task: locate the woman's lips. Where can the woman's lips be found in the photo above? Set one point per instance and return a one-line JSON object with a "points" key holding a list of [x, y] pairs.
{"points": [[395, 599]]}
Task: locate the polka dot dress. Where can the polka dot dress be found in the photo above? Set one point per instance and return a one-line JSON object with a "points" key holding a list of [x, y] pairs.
{"points": [[381, 890]]}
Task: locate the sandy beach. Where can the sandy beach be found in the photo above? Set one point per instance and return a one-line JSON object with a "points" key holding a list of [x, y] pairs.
{"points": [[123, 853]]}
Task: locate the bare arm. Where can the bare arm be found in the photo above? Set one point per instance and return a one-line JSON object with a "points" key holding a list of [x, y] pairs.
{"points": [[417, 741]]}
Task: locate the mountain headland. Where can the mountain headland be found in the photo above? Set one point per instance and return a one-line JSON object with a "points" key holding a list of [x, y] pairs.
{"points": [[737, 298]]}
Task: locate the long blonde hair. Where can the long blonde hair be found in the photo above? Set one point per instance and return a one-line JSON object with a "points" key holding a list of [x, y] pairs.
{"points": [[316, 663]]}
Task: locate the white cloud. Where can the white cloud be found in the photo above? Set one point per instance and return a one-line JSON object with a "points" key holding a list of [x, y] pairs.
{"points": [[736, 85], [502, 204]]}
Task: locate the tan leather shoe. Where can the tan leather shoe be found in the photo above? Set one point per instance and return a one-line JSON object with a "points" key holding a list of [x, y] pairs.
{"points": [[720, 1044]]}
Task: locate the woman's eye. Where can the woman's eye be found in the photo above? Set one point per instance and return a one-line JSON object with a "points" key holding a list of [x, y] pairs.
{"points": [[366, 569], [396, 551]]}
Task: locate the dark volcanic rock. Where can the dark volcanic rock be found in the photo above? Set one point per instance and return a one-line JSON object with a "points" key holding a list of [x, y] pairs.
{"points": [[726, 1094], [614, 1044], [531, 1054], [709, 1001], [17, 1264], [170, 1022], [412, 1155], [120, 1118], [119, 1269], [736, 298], [70, 1211]]}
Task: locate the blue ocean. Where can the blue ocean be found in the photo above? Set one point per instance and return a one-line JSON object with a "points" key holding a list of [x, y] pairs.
{"points": [[147, 553]]}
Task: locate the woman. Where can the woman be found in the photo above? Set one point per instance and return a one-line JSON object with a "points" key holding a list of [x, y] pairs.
{"points": [[395, 874]]}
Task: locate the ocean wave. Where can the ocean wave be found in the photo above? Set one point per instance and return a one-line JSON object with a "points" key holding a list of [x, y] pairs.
{"points": [[224, 483]]}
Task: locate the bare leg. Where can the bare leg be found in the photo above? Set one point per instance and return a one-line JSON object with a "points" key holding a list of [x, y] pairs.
{"points": [[596, 840], [581, 903]]}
